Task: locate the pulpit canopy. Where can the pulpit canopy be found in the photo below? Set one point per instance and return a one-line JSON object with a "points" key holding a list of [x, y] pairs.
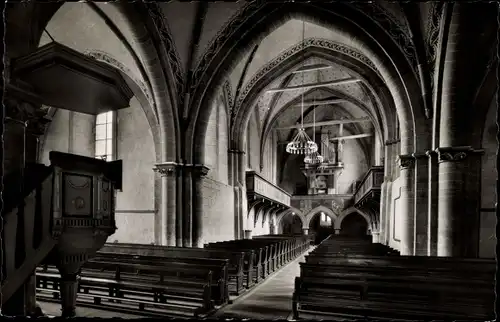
{"points": [[65, 78]]}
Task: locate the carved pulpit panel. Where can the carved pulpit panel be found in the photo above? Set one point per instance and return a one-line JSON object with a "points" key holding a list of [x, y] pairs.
{"points": [[77, 195]]}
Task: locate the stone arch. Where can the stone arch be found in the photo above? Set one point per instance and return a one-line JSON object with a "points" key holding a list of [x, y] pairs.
{"points": [[320, 208], [349, 211], [296, 211], [395, 62], [379, 116], [159, 73]]}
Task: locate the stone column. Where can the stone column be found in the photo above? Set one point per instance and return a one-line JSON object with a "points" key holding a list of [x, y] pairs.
{"points": [[168, 211], [187, 206], [243, 204], [305, 231], [420, 215], [432, 204], [179, 215], [234, 157], [199, 171], [457, 218], [375, 236], [337, 231], [248, 234], [407, 164]]}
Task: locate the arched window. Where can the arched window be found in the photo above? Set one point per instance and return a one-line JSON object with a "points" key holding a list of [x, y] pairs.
{"points": [[105, 135]]}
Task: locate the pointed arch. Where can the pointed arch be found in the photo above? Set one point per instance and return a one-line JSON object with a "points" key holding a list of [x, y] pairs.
{"points": [[290, 210], [389, 55], [349, 211], [318, 209]]}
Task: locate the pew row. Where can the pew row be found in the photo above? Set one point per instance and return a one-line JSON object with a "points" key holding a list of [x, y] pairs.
{"points": [[273, 251], [150, 288], [238, 261], [387, 287]]}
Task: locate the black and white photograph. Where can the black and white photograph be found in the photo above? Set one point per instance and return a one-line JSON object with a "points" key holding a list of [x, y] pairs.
{"points": [[262, 160]]}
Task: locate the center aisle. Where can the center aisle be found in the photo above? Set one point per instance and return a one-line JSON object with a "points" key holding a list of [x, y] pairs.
{"points": [[270, 300]]}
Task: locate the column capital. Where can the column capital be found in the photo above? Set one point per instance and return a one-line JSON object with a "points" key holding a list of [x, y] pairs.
{"points": [[236, 151], [454, 154], [167, 168], [405, 161], [431, 153], [196, 169], [417, 156]]}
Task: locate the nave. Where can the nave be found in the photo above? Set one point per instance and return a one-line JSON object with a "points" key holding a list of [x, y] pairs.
{"points": [[341, 278], [272, 299], [171, 159]]}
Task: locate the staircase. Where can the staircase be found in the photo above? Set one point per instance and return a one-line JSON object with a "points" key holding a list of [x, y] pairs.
{"points": [[26, 233]]}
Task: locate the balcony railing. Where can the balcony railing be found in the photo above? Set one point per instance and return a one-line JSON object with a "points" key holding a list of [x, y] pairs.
{"points": [[260, 187], [371, 182], [337, 202]]}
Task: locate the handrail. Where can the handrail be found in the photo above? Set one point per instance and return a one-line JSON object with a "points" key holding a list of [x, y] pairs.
{"points": [[252, 172], [26, 237], [372, 169], [254, 180], [362, 186]]}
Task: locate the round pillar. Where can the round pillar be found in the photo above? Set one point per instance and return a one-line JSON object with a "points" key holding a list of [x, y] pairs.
{"points": [[248, 234], [305, 231], [200, 171], [168, 211], [407, 223], [375, 237], [457, 216]]}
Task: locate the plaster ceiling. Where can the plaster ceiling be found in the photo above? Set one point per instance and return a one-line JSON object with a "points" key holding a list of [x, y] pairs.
{"points": [[79, 27], [269, 104]]}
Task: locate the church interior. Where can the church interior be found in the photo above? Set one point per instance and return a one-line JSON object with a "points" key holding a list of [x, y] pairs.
{"points": [[265, 160]]}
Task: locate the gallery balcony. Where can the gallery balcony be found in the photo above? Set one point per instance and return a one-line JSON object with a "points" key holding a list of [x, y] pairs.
{"points": [[368, 190]]}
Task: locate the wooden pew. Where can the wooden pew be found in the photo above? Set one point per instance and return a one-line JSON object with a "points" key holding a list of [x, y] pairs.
{"points": [[177, 266], [153, 289], [237, 259], [260, 264], [277, 250], [295, 246], [405, 287]]}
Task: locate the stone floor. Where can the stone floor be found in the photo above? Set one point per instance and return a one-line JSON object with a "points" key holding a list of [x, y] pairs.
{"points": [[272, 299], [54, 310]]}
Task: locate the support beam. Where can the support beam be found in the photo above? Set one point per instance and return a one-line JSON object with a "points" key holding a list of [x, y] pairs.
{"points": [[325, 123], [322, 102], [347, 137], [315, 85]]}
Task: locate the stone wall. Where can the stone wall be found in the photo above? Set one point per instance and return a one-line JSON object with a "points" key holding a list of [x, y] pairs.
{"points": [[73, 132], [218, 196], [487, 240]]}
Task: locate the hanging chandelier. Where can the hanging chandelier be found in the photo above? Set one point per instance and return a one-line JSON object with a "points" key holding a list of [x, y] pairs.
{"points": [[301, 143], [314, 158]]}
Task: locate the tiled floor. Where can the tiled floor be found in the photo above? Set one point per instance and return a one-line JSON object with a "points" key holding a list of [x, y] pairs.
{"points": [[270, 300], [54, 310]]}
